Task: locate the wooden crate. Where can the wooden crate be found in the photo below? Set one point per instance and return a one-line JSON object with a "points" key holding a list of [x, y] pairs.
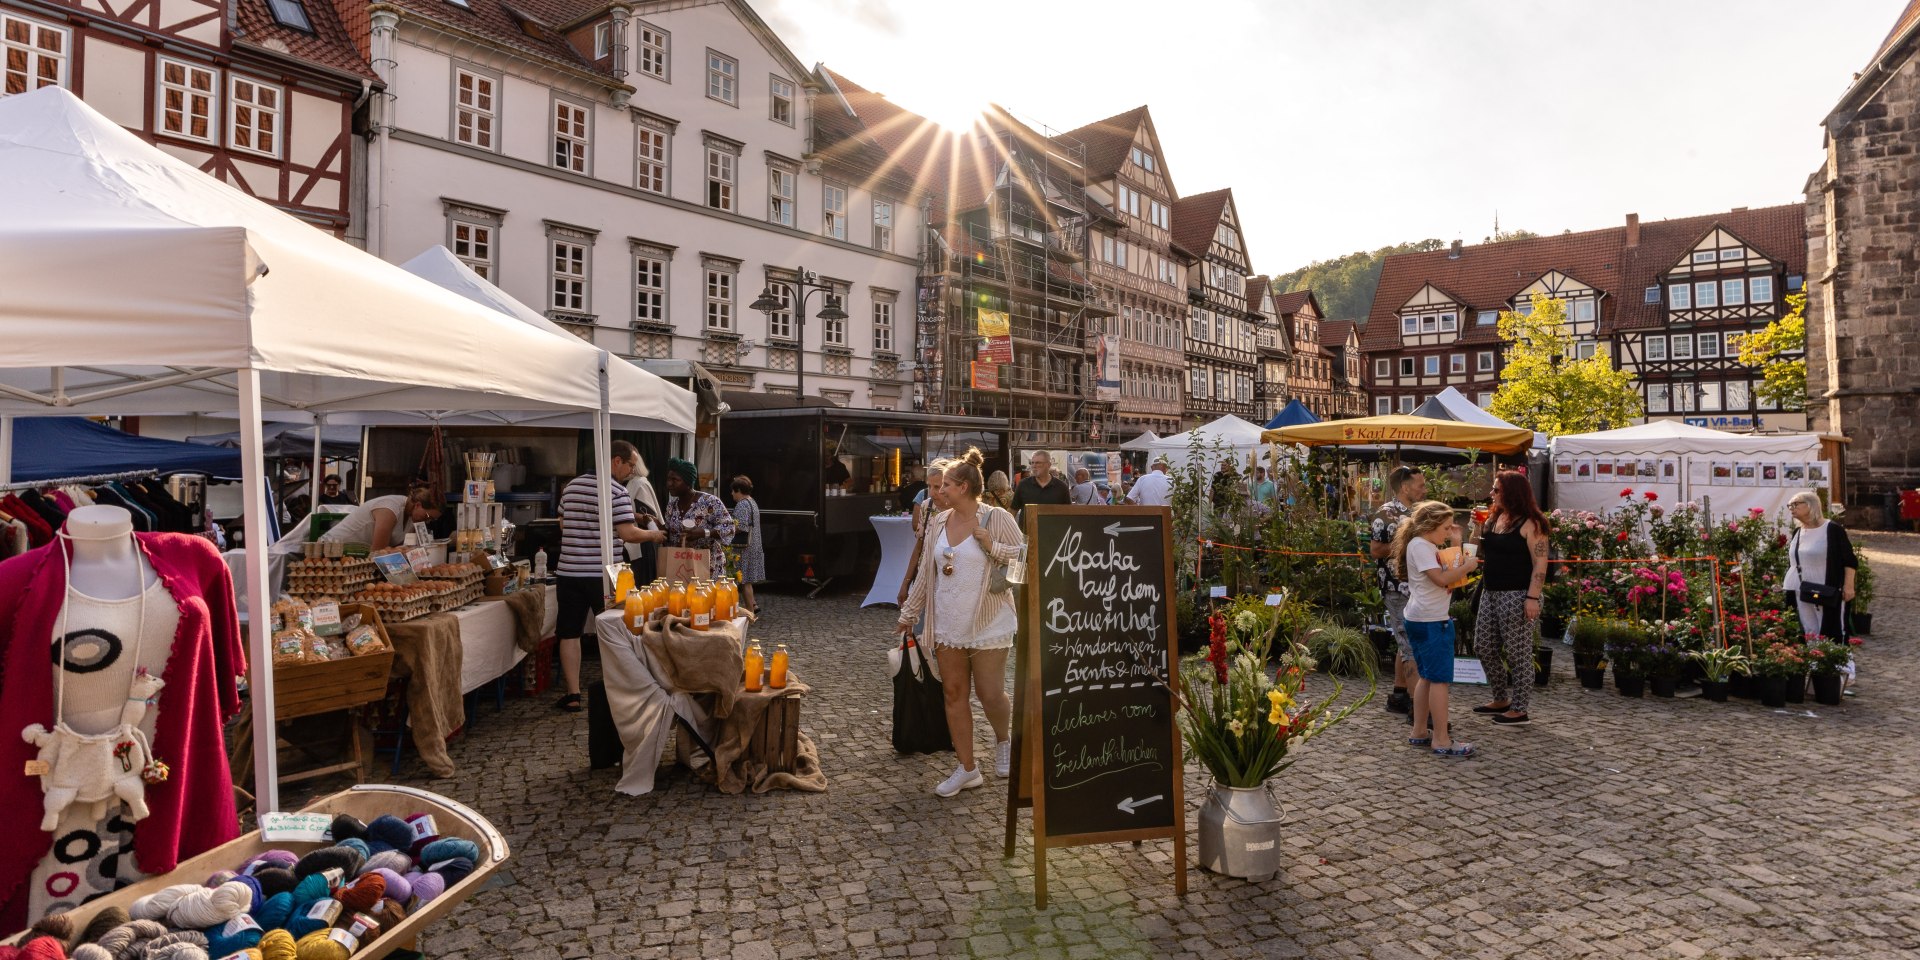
{"points": [[304, 689], [776, 742], [367, 801]]}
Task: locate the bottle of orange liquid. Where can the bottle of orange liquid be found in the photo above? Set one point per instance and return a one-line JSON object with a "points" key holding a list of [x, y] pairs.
{"points": [[756, 662], [677, 599], [723, 599], [700, 605], [656, 597], [779, 679], [635, 612], [623, 582]]}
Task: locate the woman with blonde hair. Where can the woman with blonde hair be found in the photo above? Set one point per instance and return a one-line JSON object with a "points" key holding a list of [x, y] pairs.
{"points": [[1428, 527], [998, 492], [972, 627], [926, 504]]}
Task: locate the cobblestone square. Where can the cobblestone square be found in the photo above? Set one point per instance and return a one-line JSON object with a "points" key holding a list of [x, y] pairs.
{"points": [[1610, 827]]}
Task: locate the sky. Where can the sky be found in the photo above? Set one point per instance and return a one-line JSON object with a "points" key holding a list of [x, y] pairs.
{"points": [[1344, 125]]}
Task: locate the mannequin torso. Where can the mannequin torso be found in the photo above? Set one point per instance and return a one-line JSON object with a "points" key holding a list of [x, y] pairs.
{"points": [[104, 561]]}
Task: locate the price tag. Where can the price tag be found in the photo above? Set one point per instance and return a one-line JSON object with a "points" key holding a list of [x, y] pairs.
{"points": [[326, 619], [1276, 599], [295, 827], [419, 560], [38, 768], [1219, 592], [424, 828], [239, 925]]}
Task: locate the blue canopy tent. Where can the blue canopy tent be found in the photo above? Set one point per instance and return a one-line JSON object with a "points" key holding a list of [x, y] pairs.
{"points": [[46, 448], [283, 440], [1292, 415]]}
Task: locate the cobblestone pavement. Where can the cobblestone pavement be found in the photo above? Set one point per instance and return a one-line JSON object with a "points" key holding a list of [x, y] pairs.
{"points": [[1610, 827]]}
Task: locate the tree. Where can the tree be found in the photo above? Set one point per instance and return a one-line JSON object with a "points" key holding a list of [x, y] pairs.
{"points": [[1779, 353], [1344, 285], [1546, 386], [1502, 236]]}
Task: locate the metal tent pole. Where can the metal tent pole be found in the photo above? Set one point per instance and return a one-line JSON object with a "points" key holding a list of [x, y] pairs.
{"points": [[313, 479], [253, 482], [603, 466], [6, 448]]}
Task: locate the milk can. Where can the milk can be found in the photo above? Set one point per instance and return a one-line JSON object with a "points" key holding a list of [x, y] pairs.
{"points": [[1240, 832]]}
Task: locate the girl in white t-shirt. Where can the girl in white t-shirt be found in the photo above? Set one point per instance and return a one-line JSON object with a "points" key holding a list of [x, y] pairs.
{"points": [[1428, 527]]}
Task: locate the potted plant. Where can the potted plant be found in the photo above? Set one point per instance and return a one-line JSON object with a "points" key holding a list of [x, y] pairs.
{"points": [[1542, 663], [1720, 665], [1341, 650], [1556, 606], [1826, 661], [1590, 635], [1242, 718], [1860, 610], [1776, 665], [1626, 647], [1663, 662]]}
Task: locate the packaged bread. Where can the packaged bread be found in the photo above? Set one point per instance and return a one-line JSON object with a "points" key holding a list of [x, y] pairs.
{"points": [[364, 640], [289, 646]]}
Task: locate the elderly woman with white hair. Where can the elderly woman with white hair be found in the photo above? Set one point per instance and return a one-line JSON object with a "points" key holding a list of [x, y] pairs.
{"points": [[1820, 569]]}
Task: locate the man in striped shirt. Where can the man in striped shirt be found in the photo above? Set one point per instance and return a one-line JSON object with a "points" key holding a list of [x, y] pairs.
{"points": [[580, 578]]}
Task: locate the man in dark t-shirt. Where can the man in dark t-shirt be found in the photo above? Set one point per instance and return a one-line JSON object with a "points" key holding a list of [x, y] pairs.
{"points": [[1041, 485]]}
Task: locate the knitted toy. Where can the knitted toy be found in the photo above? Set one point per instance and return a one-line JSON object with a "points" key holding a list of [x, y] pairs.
{"points": [[79, 769]]}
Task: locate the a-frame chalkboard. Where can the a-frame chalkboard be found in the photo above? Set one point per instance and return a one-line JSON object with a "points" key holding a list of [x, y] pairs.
{"points": [[1096, 744]]}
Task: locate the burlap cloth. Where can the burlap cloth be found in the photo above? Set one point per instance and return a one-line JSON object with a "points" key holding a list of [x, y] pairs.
{"points": [[529, 609], [734, 772], [708, 664], [430, 655]]}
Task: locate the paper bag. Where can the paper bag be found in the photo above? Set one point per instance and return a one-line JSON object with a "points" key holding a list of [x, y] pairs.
{"points": [[686, 563]]}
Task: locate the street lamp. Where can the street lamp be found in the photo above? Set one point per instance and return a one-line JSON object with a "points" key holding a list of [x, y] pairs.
{"points": [[831, 308]]}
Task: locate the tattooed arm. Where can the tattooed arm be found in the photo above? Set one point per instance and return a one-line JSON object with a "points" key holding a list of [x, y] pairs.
{"points": [[1537, 549]]}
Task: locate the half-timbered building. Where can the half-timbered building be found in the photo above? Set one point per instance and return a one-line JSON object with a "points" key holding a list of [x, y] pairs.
{"points": [[1310, 368], [261, 94], [1345, 363], [1274, 345], [1220, 340]]}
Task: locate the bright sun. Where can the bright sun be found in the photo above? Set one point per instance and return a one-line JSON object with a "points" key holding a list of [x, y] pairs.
{"points": [[953, 113]]}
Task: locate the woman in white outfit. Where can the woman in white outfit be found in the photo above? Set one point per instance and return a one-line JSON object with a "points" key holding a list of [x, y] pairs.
{"points": [[1820, 553], [971, 626]]}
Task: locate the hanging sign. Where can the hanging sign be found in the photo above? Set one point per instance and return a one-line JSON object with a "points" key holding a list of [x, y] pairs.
{"points": [[986, 376]]}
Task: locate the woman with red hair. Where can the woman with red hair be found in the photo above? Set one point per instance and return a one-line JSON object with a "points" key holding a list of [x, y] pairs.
{"points": [[1513, 552]]}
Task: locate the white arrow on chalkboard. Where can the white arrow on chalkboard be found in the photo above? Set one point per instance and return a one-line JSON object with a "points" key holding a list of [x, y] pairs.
{"points": [[1129, 805], [1114, 529]]}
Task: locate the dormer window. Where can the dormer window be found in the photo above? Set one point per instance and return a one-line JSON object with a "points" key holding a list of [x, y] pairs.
{"points": [[1409, 325], [290, 13]]}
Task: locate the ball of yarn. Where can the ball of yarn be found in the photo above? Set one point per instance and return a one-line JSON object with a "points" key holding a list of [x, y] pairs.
{"points": [[390, 912], [128, 940], [220, 878], [320, 945], [417, 822], [47, 948], [346, 826], [274, 913], [310, 889], [277, 945], [233, 937], [397, 886], [453, 871], [365, 892], [447, 848], [59, 926], [253, 889], [344, 859], [272, 858], [156, 905], [102, 922], [90, 951], [179, 945], [392, 860], [426, 886], [359, 846], [276, 880], [389, 833], [204, 908], [313, 915]]}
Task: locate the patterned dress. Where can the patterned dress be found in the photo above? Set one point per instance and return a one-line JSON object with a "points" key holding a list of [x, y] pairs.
{"points": [[753, 557], [707, 511]]}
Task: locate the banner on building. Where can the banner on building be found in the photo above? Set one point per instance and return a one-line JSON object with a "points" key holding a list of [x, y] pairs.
{"points": [[1107, 364], [996, 332], [986, 376]]}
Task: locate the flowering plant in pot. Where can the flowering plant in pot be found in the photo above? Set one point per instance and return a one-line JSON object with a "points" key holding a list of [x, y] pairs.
{"points": [[1244, 711], [1662, 660], [1719, 664], [1590, 636], [1861, 609], [1627, 644], [1778, 665], [1827, 660]]}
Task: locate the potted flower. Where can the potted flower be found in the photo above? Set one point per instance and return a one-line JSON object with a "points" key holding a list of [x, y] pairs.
{"points": [[1557, 601], [1242, 717], [1626, 648], [1826, 661], [1719, 664], [1860, 610], [1590, 635], [1777, 665], [1663, 661]]}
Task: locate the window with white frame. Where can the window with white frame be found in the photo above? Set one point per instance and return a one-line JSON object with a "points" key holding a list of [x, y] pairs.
{"points": [[1710, 396], [780, 321], [1761, 289], [1409, 325], [1430, 323], [653, 51], [1733, 253], [1680, 346], [253, 117], [1707, 345], [882, 224], [1679, 296], [1200, 383], [1457, 363], [781, 187], [1484, 401], [1739, 395], [1705, 294], [473, 108], [1142, 159], [32, 54], [1483, 361], [1159, 215], [650, 153], [568, 276], [602, 41], [1657, 397], [883, 323], [1487, 318], [1703, 256], [1652, 295], [650, 287], [1733, 292], [833, 211], [473, 245], [1406, 366], [1382, 368], [570, 126], [1585, 349], [1581, 311], [721, 163], [1449, 322], [833, 333], [189, 95], [1406, 404], [1656, 347], [1432, 365], [720, 296], [780, 97], [723, 78], [1382, 406]]}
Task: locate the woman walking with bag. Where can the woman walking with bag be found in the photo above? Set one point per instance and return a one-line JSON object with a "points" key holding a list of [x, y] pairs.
{"points": [[753, 556], [1513, 547], [1820, 570], [971, 625]]}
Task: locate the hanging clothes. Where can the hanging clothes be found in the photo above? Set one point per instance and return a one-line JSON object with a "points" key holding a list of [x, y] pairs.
{"points": [[40, 533]]}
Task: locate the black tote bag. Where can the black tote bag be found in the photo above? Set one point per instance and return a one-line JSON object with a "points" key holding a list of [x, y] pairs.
{"points": [[919, 705]]}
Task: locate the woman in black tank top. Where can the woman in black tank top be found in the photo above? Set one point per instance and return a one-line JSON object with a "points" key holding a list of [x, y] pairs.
{"points": [[1513, 554]]}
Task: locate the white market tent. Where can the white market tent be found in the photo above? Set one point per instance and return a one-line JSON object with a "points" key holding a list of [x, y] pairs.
{"points": [[1451, 404], [1144, 441], [1693, 450], [135, 284], [1229, 434]]}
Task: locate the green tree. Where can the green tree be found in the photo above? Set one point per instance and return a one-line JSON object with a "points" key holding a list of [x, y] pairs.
{"points": [[1502, 236], [1779, 353], [1547, 387], [1344, 285]]}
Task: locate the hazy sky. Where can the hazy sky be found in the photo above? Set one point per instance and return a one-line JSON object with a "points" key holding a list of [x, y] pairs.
{"points": [[1351, 124]]}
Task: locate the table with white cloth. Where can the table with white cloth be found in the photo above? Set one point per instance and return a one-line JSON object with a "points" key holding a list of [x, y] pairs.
{"points": [[896, 555], [643, 709], [487, 644]]}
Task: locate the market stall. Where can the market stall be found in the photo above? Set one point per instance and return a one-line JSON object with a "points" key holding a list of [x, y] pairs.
{"points": [[1227, 437], [1733, 472]]}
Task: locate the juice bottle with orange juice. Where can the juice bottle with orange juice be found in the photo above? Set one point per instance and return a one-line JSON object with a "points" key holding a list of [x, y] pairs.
{"points": [[723, 599], [677, 599], [756, 662], [700, 605], [623, 582], [635, 612], [779, 679]]}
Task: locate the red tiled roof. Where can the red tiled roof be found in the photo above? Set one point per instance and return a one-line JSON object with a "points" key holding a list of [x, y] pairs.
{"points": [[1108, 142], [1255, 287], [1290, 302], [531, 26], [1333, 333], [1196, 218], [1487, 276], [327, 46]]}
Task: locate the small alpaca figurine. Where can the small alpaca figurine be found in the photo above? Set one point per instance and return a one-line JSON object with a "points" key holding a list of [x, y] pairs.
{"points": [[95, 769]]}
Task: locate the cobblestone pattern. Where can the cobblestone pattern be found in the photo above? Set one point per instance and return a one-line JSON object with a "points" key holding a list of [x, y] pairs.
{"points": [[1610, 827]]}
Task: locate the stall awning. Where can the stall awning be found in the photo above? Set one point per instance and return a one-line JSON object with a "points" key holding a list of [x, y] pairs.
{"points": [[48, 447], [1412, 431]]}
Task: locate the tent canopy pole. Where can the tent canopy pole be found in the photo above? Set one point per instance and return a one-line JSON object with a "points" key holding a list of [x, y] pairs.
{"points": [[253, 482]]}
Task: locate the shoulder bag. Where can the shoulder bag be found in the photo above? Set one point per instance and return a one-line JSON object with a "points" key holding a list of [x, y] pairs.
{"points": [[1819, 594], [744, 535], [997, 581]]}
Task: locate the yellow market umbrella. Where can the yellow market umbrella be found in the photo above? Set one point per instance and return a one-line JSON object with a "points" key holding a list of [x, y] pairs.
{"points": [[1407, 430]]}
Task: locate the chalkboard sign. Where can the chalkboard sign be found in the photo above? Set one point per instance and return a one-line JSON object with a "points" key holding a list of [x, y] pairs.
{"points": [[1100, 742]]}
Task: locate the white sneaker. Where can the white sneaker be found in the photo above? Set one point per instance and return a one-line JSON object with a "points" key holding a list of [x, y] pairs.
{"points": [[1002, 758], [962, 779]]}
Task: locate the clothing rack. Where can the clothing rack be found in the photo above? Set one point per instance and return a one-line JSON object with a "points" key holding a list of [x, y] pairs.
{"points": [[91, 479]]}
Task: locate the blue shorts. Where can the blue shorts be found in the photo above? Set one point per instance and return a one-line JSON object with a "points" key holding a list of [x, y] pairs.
{"points": [[1432, 649]]}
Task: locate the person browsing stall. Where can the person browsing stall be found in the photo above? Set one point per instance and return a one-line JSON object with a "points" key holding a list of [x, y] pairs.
{"points": [[1821, 567], [1155, 489], [580, 579], [753, 556], [696, 519], [381, 524], [330, 493], [1041, 486], [1085, 491]]}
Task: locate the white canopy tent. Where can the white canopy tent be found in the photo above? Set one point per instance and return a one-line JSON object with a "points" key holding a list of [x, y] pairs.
{"points": [[1144, 441], [1451, 404], [135, 284], [1692, 451], [1227, 435]]}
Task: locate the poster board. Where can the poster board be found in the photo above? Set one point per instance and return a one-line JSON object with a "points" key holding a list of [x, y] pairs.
{"points": [[1098, 750]]}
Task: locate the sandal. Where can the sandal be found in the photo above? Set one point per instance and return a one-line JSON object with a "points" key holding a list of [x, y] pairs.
{"points": [[1456, 750], [1419, 741], [571, 703], [1490, 708], [1506, 721]]}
